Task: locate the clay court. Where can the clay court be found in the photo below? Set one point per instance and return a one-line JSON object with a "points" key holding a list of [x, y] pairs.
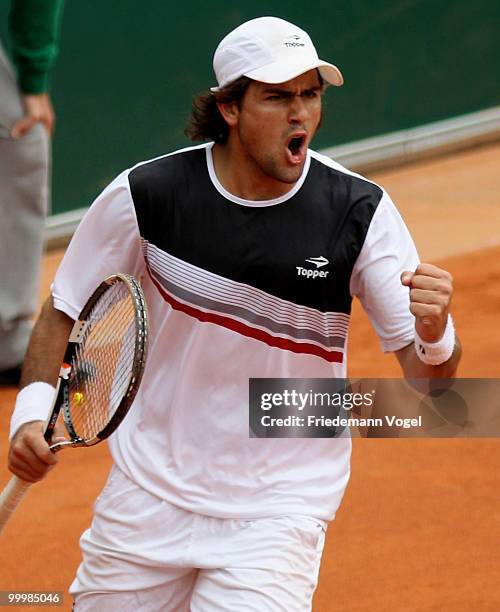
{"points": [[419, 527]]}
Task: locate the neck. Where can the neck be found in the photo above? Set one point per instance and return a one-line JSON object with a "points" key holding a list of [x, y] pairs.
{"points": [[242, 177]]}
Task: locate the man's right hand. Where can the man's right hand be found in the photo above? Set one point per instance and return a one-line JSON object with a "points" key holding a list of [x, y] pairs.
{"points": [[30, 457], [37, 109]]}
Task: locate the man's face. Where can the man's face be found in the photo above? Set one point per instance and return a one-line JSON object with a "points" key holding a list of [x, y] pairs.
{"points": [[274, 125]]}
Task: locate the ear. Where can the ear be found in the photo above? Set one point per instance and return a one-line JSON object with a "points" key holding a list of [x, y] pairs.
{"points": [[230, 112]]}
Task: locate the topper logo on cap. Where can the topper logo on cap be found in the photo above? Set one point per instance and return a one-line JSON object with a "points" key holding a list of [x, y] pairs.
{"points": [[295, 42]]}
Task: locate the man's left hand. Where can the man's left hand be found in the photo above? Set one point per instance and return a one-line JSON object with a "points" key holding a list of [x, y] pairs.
{"points": [[430, 297]]}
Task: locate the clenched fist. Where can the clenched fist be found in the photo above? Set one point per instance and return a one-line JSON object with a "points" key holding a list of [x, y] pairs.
{"points": [[431, 290]]}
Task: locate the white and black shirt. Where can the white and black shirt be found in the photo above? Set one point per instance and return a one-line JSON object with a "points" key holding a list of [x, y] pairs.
{"points": [[240, 289]]}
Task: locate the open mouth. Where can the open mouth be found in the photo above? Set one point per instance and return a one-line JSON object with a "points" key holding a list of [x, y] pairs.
{"points": [[295, 144], [296, 148]]}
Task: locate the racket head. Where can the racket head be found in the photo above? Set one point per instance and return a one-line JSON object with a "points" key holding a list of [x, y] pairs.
{"points": [[106, 356]]}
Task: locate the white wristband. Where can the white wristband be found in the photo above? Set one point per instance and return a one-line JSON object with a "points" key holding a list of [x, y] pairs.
{"points": [[33, 403], [435, 353]]}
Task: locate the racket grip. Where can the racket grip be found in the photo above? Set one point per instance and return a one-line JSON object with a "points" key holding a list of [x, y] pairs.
{"points": [[10, 498]]}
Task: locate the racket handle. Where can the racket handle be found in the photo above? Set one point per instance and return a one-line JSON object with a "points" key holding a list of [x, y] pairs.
{"points": [[10, 498]]}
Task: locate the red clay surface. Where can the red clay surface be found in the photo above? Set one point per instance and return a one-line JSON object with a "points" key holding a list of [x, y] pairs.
{"points": [[419, 528]]}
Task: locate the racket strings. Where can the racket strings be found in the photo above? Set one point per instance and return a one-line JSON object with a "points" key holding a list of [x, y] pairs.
{"points": [[95, 404], [103, 362], [112, 379]]}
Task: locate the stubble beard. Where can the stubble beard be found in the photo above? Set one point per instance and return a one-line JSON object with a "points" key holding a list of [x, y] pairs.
{"points": [[270, 166]]}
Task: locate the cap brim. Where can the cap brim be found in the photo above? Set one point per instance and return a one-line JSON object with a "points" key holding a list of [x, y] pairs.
{"points": [[274, 73]]}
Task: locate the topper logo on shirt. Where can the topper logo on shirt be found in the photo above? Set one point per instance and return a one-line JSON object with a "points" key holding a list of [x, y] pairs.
{"points": [[319, 262]]}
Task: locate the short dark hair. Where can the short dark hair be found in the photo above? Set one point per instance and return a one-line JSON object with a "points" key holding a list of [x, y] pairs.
{"points": [[206, 122]]}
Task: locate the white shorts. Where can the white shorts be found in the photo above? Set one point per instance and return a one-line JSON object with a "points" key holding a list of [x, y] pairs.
{"points": [[143, 554]]}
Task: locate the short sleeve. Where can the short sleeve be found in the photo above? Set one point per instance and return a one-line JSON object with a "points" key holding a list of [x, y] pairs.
{"points": [[387, 251], [106, 242]]}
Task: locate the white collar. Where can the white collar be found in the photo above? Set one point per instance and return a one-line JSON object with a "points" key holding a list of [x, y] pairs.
{"points": [[255, 203]]}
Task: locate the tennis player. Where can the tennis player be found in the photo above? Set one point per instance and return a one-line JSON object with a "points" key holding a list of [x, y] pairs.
{"points": [[250, 248]]}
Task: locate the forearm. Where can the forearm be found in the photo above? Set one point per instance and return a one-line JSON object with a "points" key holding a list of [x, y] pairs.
{"points": [[47, 346], [29, 455], [414, 367]]}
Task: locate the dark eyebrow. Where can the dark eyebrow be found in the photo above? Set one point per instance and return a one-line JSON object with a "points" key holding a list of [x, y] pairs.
{"points": [[287, 92], [313, 89], [277, 90]]}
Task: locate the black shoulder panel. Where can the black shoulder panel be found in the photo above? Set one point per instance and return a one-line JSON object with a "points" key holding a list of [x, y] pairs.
{"points": [[271, 248]]}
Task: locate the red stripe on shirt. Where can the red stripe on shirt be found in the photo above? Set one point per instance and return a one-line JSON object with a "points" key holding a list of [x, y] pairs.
{"points": [[247, 330]]}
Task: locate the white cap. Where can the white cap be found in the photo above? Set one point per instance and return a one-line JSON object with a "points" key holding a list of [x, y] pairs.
{"points": [[269, 50]]}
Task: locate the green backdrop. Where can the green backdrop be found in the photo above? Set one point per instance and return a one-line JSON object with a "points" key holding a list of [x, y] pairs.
{"points": [[127, 70]]}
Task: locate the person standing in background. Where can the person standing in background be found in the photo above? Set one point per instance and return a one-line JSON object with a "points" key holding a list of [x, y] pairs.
{"points": [[26, 124]]}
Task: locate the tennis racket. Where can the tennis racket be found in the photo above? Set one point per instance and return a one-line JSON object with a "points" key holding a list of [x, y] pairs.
{"points": [[100, 375]]}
